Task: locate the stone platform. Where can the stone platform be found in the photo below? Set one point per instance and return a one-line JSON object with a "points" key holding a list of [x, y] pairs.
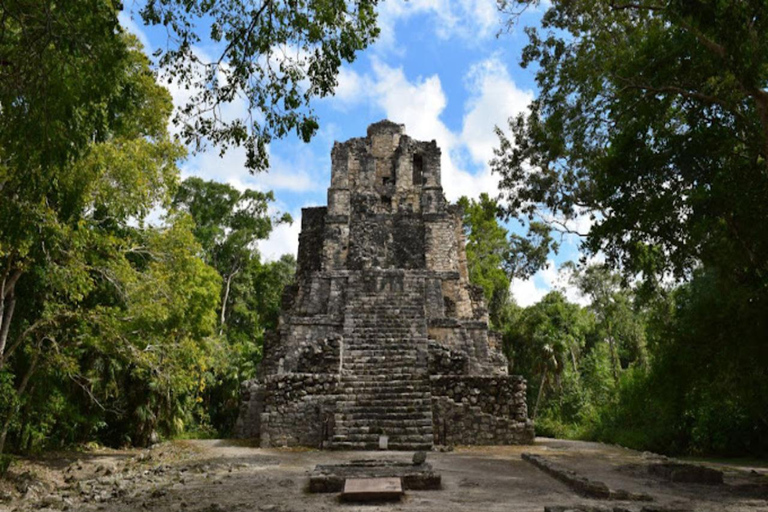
{"points": [[416, 477]]}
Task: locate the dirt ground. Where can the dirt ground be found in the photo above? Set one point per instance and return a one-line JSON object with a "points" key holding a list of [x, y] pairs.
{"points": [[229, 476]]}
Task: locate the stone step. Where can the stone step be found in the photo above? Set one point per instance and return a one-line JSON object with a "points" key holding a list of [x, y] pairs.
{"points": [[399, 307], [368, 384], [364, 406], [395, 391], [400, 420], [408, 351], [383, 382], [394, 440], [394, 371], [411, 436], [386, 363], [351, 445], [396, 378], [373, 437], [371, 397], [408, 424], [413, 376], [379, 401]]}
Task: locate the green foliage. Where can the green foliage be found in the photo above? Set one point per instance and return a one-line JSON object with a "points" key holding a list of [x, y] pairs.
{"points": [[111, 330], [228, 223], [707, 381], [105, 327], [544, 344], [691, 390], [494, 258], [277, 55], [662, 138]]}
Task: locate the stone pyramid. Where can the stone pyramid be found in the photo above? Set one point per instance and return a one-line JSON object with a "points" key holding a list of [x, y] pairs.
{"points": [[381, 333]]}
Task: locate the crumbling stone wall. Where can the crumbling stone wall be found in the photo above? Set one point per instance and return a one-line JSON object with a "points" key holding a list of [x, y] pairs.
{"points": [[248, 423], [469, 410], [444, 361], [320, 355], [298, 409]]}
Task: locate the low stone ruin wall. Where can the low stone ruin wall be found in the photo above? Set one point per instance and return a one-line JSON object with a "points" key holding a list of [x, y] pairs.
{"points": [[248, 424], [298, 409], [469, 410], [502, 396]]}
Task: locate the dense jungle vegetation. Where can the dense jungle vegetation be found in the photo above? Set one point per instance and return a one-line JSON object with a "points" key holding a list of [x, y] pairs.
{"points": [[651, 120]]}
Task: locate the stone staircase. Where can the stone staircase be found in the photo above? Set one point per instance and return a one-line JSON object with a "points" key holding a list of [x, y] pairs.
{"points": [[384, 378]]}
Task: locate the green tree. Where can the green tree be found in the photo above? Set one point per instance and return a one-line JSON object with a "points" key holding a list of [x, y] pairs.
{"points": [[622, 328], [544, 341], [495, 257], [276, 55], [254, 310], [653, 117], [228, 224], [75, 273]]}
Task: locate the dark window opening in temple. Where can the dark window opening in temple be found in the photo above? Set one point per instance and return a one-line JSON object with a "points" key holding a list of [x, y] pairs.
{"points": [[418, 169], [386, 200]]}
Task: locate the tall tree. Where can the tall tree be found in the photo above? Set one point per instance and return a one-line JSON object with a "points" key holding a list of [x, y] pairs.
{"points": [[228, 223], [495, 257], [76, 272], [544, 339], [619, 324], [653, 118]]}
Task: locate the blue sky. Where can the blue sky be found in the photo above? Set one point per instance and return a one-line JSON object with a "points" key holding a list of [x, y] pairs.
{"points": [[442, 68]]}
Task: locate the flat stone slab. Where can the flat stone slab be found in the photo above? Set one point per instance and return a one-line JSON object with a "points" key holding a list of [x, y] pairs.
{"points": [[580, 484], [413, 477], [686, 473], [372, 489]]}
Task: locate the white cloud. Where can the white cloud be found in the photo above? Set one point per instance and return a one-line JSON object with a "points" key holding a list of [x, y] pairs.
{"points": [[128, 23], [284, 239], [351, 88], [494, 98], [469, 20], [419, 103], [530, 291], [289, 175]]}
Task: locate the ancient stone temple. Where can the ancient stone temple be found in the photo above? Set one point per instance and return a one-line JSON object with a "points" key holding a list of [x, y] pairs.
{"points": [[381, 333]]}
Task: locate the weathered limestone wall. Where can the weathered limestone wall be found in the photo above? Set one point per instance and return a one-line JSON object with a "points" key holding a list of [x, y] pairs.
{"points": [[251, 406], [298, 409], [470, 410]]}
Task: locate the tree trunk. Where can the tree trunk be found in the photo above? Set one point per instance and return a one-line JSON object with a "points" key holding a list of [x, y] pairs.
{"points": [[614, 357], [539, 396], [573, 358], [19, 393], [223, 317], [6, 315]]}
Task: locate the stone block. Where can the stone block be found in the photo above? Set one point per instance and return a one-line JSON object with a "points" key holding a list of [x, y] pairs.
{"points": [[372, 489]]}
